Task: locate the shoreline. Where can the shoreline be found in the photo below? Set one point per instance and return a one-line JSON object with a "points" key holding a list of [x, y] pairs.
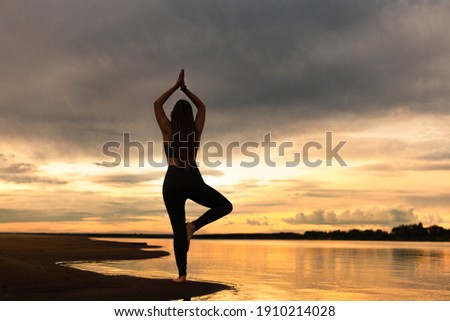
{"points": [[28, 271]]}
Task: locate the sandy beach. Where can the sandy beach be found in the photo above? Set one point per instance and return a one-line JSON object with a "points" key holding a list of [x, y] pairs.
{"points": [[28, 271]]}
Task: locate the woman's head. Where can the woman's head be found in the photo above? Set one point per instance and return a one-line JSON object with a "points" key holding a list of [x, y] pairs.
{"points": [[182, 112]]}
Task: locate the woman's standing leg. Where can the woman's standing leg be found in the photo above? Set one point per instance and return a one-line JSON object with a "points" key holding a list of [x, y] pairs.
{"points": [[178, 221], [175, 203]]}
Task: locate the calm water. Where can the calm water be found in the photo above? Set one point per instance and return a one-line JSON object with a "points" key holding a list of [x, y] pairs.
{"points": [[303, 270]]}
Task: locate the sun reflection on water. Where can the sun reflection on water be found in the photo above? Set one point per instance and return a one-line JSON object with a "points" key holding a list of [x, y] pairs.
{"points": [[303, 270]]}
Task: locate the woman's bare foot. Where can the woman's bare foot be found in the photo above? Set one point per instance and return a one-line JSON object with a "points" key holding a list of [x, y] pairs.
{"points": [[180, 279], [190, 229]]}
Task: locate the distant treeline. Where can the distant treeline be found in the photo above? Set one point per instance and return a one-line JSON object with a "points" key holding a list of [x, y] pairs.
{"points": [[413, 232]]}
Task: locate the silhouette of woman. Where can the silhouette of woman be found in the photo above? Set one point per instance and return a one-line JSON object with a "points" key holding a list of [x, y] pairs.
{"points": [[181, 136]]}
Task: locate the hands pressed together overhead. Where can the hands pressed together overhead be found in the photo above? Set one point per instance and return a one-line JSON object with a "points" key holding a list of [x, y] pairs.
{"points": [[180, 82]]}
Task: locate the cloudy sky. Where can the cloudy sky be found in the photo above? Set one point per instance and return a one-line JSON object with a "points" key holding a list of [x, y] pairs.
{"points": [[75, 75]]}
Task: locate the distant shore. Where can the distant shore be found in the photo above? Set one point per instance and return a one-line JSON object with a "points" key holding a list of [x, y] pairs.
{"points": [[28, 271], [413, 232]]}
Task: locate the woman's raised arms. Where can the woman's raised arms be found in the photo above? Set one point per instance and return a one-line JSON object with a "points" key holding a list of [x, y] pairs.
{"points": [[161, 118], [164, 122]]}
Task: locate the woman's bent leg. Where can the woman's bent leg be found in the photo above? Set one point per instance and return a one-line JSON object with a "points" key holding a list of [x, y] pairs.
{"points": [[207, 196]]}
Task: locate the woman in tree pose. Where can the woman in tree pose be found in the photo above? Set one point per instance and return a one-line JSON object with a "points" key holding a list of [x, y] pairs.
{"points": [[181, 136]]}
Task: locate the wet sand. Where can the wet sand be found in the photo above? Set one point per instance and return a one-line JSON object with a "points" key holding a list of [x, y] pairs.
{"points": [[28, 271]]}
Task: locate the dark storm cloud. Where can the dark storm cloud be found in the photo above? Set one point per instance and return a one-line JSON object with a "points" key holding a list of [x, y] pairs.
{"points": [[335, 55], [75, 74]]}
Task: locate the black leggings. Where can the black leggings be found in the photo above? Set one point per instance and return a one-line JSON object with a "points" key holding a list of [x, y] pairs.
{"points": [[179, 186]]}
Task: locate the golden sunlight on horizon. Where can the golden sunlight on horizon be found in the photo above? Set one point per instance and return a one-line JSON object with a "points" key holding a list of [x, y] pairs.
{"points": [[395, 182]]}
